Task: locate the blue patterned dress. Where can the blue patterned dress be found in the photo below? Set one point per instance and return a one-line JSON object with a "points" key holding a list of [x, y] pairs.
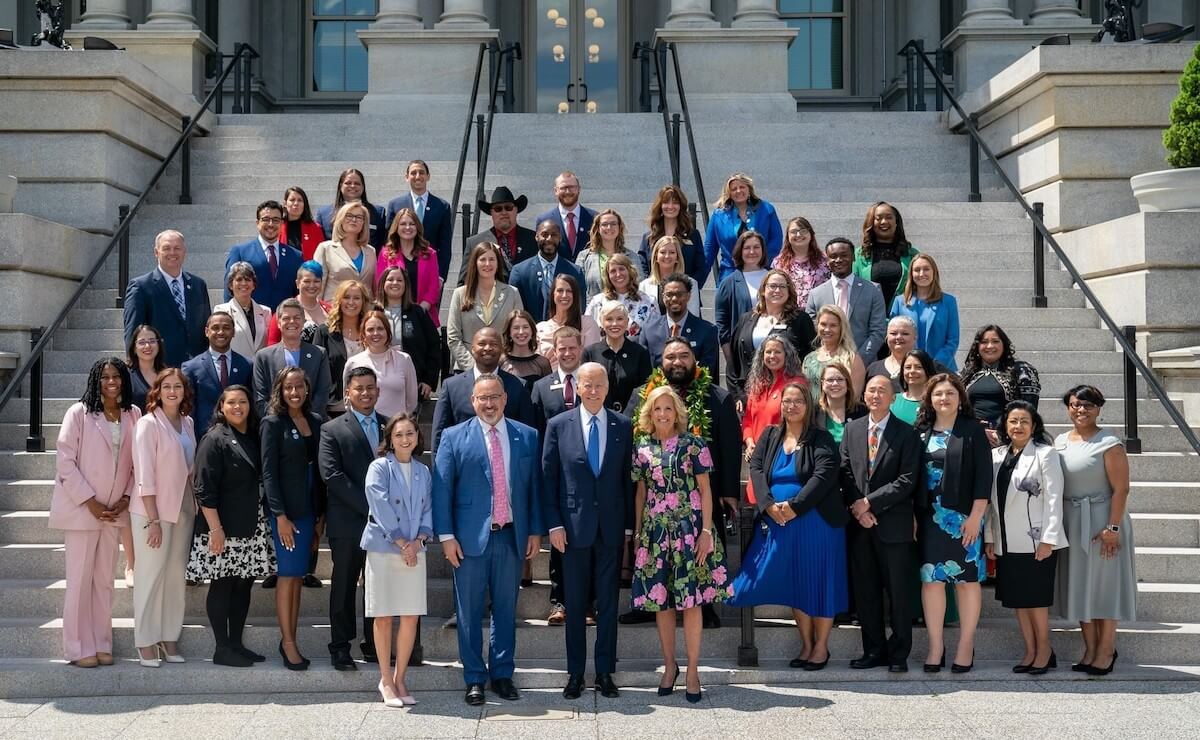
{"points": [[943, 558]]}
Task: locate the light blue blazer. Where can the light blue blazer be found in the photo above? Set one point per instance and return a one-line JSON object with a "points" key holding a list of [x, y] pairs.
{"points": [[937, 326], [398, 511], [722, 234]]}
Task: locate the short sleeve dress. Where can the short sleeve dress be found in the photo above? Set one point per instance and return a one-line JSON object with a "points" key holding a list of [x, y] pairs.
{"points": [[666, 574]]}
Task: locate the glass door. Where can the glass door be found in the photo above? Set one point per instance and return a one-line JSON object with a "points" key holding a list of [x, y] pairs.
{"points": [[578, 63]]}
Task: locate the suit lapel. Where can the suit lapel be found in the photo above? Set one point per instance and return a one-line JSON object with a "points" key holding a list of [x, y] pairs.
{"points": [[480, 443], [240, 449], [611, 442]]}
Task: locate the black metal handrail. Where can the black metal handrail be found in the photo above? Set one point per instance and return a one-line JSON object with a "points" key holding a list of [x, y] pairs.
{"points": [[41, 337], [466, 144], [499, 54], [1123, 338]]}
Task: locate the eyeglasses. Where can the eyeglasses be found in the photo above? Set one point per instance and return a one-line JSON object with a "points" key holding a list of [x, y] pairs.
{"points": [[775, 286], [1082, 406], [791, 402], [834, 381], [270, 220], [609, 225], [147, 342], [491, 398], [353, 217]]}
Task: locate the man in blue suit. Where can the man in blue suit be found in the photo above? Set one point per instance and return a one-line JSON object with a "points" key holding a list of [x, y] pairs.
{"points": [[275, 263], [212, 371], [171, 300], [436, 219], [702, 336], [487, 515], [534, 277], [574, 221], [587, 505], [454, 401]]}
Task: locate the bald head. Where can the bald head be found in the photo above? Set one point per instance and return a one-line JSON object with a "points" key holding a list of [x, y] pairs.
{"points": [[486, 348]]}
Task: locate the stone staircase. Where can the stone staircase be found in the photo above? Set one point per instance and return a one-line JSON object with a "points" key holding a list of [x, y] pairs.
{"points": [[827, 167]]}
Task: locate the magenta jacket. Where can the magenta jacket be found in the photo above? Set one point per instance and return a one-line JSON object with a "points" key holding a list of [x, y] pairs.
{"points": [[429, 281]]}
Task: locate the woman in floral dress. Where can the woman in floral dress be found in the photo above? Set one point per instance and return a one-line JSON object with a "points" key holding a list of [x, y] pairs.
{"points": [[679, 563]]}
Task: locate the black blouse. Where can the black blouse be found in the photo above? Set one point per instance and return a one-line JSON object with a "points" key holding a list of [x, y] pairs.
{"points": [[628, 368]]}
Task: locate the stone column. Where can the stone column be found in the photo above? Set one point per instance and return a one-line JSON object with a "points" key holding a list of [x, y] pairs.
{"points": [[105, 14], [756, 13], [1057, 13], [988, 13], [398, 14], [692, 14], [463, 14], [170, 14]]}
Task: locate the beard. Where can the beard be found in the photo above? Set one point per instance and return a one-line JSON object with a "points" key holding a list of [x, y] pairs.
{"points": [[680, 377]]}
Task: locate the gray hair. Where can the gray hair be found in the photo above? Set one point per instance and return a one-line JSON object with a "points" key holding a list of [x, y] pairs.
{"points": [[240, 269], [902, 319], [484, 377], [168, 232]]}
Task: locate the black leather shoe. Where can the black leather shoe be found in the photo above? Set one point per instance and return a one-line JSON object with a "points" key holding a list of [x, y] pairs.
{"points": [[811, 666], [797, 662], [1022, 668], [368, 652], [606, 687], [311, 581], [636, 616], [869, 661], [229, 656], [269, 581], [504, 688], [1093, 670], [1043, 669], [935, 667], [343, 662], [956, 668], [900, 666], [474, 695], [302, 665], [574, 687], [250, 654]]}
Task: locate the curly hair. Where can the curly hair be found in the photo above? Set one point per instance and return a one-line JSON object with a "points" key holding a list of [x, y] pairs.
{"points": [[974, 362], [621, 260], [658, 223], [790, 307], [93, 399], [595, 243], [645, 423], [761, 377], [900, 242]]}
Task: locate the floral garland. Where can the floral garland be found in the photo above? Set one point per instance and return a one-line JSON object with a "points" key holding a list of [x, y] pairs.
{"points": [[696, 402]]}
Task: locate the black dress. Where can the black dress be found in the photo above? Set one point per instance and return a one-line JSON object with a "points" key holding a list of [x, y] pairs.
{"points": [[1021, 581], [627, 369]]}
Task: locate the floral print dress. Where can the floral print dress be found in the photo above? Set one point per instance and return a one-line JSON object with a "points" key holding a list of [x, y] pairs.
{"points": [[943, 558], [666, 574]]}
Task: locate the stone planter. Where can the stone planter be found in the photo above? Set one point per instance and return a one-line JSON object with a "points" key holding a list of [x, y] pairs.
{"points": [[1167, 190]]}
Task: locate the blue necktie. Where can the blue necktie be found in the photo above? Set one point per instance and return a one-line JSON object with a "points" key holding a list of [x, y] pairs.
{"points": [[177, 292], [419, 207], [593, 447], [368, 425]]}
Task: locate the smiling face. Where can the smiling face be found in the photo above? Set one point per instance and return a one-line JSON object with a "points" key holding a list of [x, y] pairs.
{"points": [[406, 228], [417, 177], [219, 331], [236, 407], [794, 405], [488, 400], [563, 296], [352, 187], [1019, 426], [404, 439], [568, 350], [671, 208], [352, 302], [110, 385], [829, 329], [504, 216], [610, 229], [840, 257], [593, 387], [799, 239], [548, 237], [901, 339], [914, 373], [170, 393], [1083, 414], [295, 389], [615, 323], [566, 191], [362, 393], [618, 277], [147, 346], [394, 286], [520, 332], [486, 264], [945, 399], [375, 332], [485, 348], [675, 296], [269, 221], [662, 413], [879, 396], [991, 347], [775, 292], [921, 272], [241, 286], [773, 355], [739, 192], [667, 258], [834, 383], [309, 285], [883, 223], [752, 253], [170, 252], [291, 323]]}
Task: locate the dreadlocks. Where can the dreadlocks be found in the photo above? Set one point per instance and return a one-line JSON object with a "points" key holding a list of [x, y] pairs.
{"points": [[93, 400]]}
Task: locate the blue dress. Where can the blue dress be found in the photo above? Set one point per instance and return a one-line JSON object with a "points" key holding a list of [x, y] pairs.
{"points": [[801, 564], [943, 558], [294, 563]]}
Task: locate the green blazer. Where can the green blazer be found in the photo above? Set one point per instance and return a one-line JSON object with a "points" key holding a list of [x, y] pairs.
{"points": [[862, 267]]}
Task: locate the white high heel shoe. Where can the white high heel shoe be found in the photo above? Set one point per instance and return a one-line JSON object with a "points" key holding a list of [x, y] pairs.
{"points": [[149, 662], [162, 653], [389, 701]]}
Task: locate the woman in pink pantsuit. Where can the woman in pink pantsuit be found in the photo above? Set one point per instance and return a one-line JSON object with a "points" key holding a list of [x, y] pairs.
{"points": [[92, 485]]}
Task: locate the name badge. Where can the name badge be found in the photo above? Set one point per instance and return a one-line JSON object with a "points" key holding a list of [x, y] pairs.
{"points": [[557, 386]]}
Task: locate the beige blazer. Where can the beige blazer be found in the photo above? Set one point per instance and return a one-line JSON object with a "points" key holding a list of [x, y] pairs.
{"points": [[1033, 503], [461, 325], [339, 268], [242, 343]]}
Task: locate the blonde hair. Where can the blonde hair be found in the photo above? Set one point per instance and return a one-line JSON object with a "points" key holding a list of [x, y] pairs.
{"points": [[364, 234], [658, 245], [631, 289], [845, 346], [726, 200], [646, 425], [334, 320]]}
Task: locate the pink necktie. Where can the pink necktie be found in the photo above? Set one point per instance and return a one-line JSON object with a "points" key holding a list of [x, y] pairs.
{"points": [[500, 513], [844, 296], [571, 231]]}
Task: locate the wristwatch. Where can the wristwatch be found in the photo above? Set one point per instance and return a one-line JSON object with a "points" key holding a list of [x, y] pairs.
{"points": [[1113, 528]]}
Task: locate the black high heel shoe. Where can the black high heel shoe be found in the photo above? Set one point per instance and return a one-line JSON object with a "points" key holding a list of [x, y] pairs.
{"points": [[668, 690], [1022, 667], [1096, 671], [938, 666], [956, 668], [302, 665], [813, 666], [1042, 670]]}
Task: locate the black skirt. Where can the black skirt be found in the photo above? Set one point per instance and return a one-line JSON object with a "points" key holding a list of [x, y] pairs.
{"points": [[1025, 583]]}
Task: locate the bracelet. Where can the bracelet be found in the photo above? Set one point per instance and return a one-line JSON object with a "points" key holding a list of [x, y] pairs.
{"points": [[215, 529], [149, 522]]}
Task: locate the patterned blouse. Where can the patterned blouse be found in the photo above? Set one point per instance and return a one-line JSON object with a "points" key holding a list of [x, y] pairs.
{"points": [[804, 276]]}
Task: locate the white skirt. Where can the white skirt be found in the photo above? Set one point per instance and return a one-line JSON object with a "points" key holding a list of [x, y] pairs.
{"points": [[392, 588]]}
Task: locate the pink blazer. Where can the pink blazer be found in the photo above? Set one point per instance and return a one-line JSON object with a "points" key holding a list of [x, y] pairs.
{"points": [[429, 282], [159, 467], [85, 468]]}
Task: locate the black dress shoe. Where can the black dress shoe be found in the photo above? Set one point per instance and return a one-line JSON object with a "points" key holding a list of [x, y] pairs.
{"points": [[1036, 670], [504, 688], [368, 652], [229, 656], [869, 661], [1093, 670], [250, 654], [956, 668], [311, 581], [301, 665], [269, 581], [1022, 668], [936, 667], [1080, 667], [797, 662], [606, 687], [343, 662], [574, 687], [636, 616], [811, 666], [900, 666], [474, 695]]}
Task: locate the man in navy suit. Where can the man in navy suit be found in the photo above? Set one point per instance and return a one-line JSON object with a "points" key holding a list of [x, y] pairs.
{"points": [[171, 300], [487, 515], [587, 506], [454, 402], [275, 263], [574, 221], [436, 219], [675, 292], [212, 371], [534, 277]]}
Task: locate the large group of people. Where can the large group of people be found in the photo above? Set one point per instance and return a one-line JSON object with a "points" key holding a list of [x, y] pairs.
{"points": [[579, 405]]}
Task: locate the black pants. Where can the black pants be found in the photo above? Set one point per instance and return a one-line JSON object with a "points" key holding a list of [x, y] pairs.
{"points": [[557, 578], [228, 604], [591, 573], [878, 567], [348, 563]]}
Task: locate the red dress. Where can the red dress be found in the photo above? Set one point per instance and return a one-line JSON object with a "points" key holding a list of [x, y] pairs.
{"points": [[762, 411]]}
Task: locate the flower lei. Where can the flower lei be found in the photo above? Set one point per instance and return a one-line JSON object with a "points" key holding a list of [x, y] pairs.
{"points": [[699, 422]]}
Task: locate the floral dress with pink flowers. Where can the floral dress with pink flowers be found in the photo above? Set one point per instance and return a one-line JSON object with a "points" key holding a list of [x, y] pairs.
{"points": [[666, 574]]}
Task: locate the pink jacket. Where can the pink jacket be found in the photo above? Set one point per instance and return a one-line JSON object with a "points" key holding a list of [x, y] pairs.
{"points": [[159, 467], [86, 469], [429, 282]]}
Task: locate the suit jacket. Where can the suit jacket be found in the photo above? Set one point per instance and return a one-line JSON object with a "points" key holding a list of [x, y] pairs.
{"points": [[967, 473], [937, 326], [590, 507], [206, 384], [242, 343], [379, 228], [1033, 513], [285, 471], [337, 267], [428, 287], [269, 292], [228, 478], [816, 463], [414, 331], [700, 334], [461, 325], [462, 485], [311, 234], [526, 248], [732, 302], [344, 456], [799, 332], [270, 360], [398, 510], [894, 487], [724, 227], [84, 468], [148, 300], [437, 223], [334, 346], [526, 277], [868, 318], [548, 400], [159, 466], [454, 402], [583, 229]]}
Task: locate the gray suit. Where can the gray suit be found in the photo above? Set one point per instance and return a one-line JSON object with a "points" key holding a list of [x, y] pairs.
{"points": [[268, 361], [868, 317]]}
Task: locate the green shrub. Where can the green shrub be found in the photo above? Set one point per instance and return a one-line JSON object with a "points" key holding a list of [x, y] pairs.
{"points": [[1182, 137]]}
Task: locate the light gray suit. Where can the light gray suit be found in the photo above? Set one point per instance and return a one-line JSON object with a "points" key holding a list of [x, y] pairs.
{"points": [[868, 317], [268, 361]]}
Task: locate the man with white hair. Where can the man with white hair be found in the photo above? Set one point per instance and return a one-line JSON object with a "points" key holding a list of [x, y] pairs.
{"points": [[171, 300]]}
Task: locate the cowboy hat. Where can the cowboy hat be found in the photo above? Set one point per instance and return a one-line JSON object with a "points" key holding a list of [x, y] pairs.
{"points": [[503, 195]]}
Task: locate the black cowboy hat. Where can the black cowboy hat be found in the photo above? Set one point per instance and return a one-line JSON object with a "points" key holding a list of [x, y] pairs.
{"points": [[503, 195]]}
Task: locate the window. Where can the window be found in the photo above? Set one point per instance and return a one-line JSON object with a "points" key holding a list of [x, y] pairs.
{"points": [[339, 60], [817, 58]]}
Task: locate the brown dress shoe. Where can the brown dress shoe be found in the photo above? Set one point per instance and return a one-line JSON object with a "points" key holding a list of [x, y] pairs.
{"points": [[104, 658], [89, 662], [558, 615]]}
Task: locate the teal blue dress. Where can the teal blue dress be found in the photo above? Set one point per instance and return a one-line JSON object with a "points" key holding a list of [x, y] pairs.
{"points": [[943, 557]]}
